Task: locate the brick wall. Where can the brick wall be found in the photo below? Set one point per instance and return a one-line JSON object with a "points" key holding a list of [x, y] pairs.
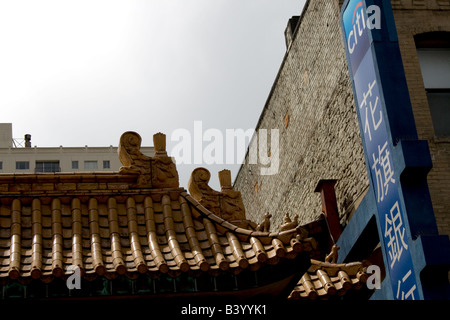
{"points": [[410, 22], [311, 104]]}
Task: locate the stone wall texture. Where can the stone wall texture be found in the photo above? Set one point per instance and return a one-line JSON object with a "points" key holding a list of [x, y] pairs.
{"points": [[311, 104]]}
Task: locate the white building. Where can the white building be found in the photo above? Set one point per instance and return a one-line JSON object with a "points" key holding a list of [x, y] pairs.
{"points": [[23, 158]]}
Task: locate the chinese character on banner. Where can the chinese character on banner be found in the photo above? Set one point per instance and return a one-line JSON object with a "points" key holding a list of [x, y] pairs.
{"points": [[408, 295], [383, 175], [395, 233], [372, 101]]}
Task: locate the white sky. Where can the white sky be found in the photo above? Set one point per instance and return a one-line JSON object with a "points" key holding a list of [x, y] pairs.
{"points": [[77, 73]]}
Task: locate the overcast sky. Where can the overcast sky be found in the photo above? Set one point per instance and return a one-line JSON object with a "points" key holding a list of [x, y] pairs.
{"points": [[77, 73]]}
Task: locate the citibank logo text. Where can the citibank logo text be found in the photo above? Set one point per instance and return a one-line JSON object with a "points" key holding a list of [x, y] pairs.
{"points": [[361, 21]]}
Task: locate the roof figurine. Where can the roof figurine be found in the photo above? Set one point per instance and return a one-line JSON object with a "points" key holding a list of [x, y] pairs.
{"points": [[164, 171], [158, 171], [288, 223], [333, 255], [132, 159], [265, 224], [226, 204]]}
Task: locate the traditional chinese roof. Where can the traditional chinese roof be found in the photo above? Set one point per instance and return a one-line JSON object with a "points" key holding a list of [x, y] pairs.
{"points": [[159, 232], [134, 222], [325, 279]]}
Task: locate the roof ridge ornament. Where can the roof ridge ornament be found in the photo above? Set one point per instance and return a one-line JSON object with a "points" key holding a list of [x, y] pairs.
{"points": [[288, 224], [158, 172], [231, 204], [264, 226], [159, 143], [332, 257], [164, 170], [200, 190], [132, 159], [226, 204]]}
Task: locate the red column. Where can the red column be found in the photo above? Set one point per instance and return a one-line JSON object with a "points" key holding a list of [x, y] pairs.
{"points": [[329, 206]]}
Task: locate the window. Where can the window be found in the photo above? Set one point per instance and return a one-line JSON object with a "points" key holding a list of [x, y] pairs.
{"points": [[22, 165], [1, 165], [47, 166], [439, 101], [106, 164], [433, 50], [74, 164], [90, 165]]}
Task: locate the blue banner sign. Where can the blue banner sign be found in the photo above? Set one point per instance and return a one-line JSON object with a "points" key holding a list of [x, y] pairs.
{"points": [[358, 21]]}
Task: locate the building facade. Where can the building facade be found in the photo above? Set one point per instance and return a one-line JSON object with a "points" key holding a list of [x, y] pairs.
{"points": [[23, 158], [312, 105]]}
